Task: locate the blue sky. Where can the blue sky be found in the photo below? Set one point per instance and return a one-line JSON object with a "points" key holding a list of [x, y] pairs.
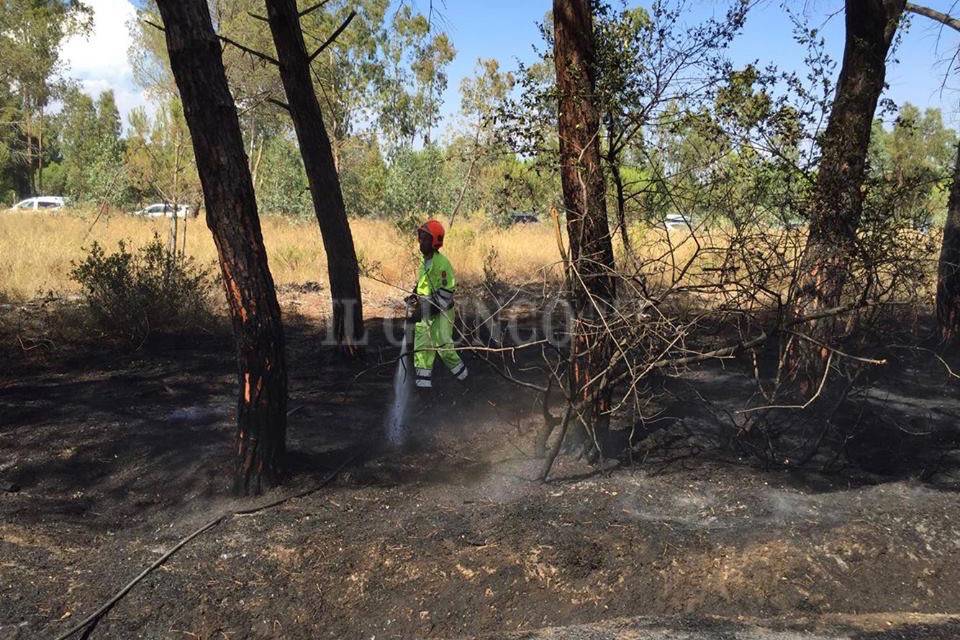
{"points": [[507, 30]]}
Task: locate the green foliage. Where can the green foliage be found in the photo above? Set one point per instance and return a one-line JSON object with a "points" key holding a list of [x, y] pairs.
{"points": [[89, 142], [363, 177], [31, 35], [415, 187], [910, 167], [54, 178], [282, 183], [414, 58], [129, 295], [714, 142], [158, 157]]}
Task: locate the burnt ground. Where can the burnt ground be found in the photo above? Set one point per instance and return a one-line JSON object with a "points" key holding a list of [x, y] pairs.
{"points": [[116, 455]]}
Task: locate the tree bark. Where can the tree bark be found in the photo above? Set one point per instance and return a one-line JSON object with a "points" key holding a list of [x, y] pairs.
{"points": [[838, 200], [593, 287], [211, 116], [948, 268], [29, 138], [318, 160], [40, 154]]}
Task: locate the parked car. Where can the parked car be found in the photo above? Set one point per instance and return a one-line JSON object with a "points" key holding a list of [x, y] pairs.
{"points": [[165, 209], [676, 221], [52, 203], [523, 217]]}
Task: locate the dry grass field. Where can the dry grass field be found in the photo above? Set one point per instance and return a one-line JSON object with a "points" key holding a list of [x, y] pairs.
{"points": [[37, 249]]}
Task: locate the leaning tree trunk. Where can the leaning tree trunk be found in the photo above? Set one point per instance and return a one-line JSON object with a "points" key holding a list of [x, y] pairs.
{"points": [[948, 268], [232, 218], [838, 199], [321, 172], [948, 271], [591, 251]]}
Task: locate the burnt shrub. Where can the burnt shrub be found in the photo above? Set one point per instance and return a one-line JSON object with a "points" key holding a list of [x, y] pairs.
{"points": [[130, 295]]}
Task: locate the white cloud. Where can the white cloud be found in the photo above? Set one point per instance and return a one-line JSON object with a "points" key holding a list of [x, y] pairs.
{"points": [[101, 61]]}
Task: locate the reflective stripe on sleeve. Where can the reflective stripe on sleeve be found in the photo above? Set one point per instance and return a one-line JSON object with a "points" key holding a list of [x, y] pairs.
{"points": [[443, 299]]}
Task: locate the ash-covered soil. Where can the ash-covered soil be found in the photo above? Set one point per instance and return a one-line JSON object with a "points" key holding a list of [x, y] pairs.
{"points": [[114, 458]]}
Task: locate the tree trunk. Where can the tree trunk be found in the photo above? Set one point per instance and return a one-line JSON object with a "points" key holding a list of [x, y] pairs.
{"points": [[256, 163], [318, 161], [838, 201], [948, 268], [211, 116], [29, 138], [948, 271], [591, 251], [40, 154]]}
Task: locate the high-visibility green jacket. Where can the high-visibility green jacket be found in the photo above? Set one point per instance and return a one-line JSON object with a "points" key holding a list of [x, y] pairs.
{"points": [[436, 282]]}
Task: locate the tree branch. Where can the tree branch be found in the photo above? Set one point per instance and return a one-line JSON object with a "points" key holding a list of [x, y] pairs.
{"points": [[279, 103], [154, 25], [252, 52], [333, 36], [933, 14], [312, 8], [257, 16]]}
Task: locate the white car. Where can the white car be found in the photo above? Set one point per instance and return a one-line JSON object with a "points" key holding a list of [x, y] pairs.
{"points": [[164, 209], [51, 203], [676, 221]]}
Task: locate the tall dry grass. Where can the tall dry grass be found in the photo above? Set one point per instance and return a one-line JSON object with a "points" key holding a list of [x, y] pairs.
{"points": [[37, 249]]}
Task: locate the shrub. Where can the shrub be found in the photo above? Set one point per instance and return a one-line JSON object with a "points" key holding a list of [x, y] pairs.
{"points": [[129, 295]]}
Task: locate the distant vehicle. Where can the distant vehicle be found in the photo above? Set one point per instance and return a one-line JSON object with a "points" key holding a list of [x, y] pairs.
{"points": [[165, 210], [523, 217], [676, 221], [790, 225], [51, 203]]}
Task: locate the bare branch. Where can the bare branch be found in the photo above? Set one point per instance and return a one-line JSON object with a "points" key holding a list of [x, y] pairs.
{"points": [[933, 14], [257, 16], [810, 400], [252, 52], [333, 36], [312, 8], [279, 103], [154, 25]]}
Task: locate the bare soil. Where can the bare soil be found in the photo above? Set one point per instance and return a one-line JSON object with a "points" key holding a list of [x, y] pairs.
{"points": [[109, 458]]}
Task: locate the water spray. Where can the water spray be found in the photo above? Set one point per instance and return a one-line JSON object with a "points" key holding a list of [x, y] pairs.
{"points": [[394, 424]]}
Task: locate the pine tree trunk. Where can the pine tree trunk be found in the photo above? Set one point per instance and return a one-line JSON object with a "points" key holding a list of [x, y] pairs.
{"points": [[211, 116], [838, 202], [591, 249], [948, 271], [28, 129], [321, 170], [40, 154]]}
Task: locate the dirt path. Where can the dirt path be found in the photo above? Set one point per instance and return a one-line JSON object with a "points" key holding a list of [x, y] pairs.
{"points": [[450, 537]]}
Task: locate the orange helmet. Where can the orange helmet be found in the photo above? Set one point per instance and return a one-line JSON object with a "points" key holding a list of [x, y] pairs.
{"points": [[435, 230]]}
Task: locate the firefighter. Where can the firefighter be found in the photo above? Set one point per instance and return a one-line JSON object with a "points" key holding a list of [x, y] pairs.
{"points": [[431, 306]]}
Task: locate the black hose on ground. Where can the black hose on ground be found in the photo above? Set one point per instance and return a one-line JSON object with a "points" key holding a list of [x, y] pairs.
{"points": [[106, 606]]}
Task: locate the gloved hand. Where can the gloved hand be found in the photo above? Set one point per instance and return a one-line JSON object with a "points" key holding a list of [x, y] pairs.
{"points": [[413, 307]]}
